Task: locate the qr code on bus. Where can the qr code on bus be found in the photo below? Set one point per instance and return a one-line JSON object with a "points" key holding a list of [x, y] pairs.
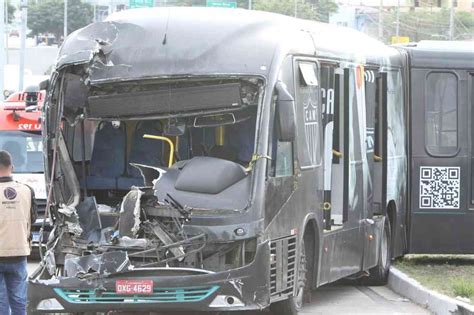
{"points": [[439, 187]]}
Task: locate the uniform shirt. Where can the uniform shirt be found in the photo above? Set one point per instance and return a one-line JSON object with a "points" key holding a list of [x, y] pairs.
{"points": [[15, 197]]}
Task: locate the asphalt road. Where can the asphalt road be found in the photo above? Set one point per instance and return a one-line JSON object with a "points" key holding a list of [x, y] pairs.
{"points": [[348, 299]]}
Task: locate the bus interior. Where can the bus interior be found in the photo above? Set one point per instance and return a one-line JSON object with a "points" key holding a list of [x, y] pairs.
{"points": [[141, 179]]}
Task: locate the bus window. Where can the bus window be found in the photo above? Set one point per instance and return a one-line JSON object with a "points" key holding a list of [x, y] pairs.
{"points": [[26, 149], [307, 94], [441, 114], [282, 154]]}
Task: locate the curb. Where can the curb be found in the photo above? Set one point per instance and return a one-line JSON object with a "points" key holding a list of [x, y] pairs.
{"points": [[435, 302]]}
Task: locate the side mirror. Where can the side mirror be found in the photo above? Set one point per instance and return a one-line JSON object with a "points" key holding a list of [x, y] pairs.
{"points": [[285, 107], [44, 85]]}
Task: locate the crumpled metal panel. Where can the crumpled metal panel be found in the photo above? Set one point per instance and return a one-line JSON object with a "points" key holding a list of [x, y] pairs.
{"points": [[175, 42], [103, 264]]}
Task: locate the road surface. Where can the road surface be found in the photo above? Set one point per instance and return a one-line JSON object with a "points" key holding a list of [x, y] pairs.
{"points": [[349, 299]]}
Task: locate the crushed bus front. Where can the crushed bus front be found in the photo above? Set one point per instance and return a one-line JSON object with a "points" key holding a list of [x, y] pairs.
{"points": [[166, 288]]}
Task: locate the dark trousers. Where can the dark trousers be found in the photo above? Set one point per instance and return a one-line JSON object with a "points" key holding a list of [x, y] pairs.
{"points": [[13, 283]]}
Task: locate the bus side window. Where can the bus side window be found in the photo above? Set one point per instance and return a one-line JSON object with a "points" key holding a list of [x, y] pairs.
{"points": [[441, 114], [282, 154], [308, 112]]}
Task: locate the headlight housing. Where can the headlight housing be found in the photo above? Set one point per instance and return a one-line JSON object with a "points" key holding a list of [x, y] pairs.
{"points": [[49, 305]]}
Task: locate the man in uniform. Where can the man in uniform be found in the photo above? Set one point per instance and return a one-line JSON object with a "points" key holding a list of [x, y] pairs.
{"points": [[17, 214]]}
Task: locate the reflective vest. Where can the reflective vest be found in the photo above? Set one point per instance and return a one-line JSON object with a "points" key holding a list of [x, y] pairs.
{"points": [[15, 219]]}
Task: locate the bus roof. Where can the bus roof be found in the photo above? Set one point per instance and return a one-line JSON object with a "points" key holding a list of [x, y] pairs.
{"points": [[159, 42], [441, 54]]}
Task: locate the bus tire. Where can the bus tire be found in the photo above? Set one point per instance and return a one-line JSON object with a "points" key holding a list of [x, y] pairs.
{"points": [[293, 304], [379, 274]]}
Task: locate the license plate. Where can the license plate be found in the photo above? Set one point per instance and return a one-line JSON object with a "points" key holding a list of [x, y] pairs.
{"points": [[134, 286]]}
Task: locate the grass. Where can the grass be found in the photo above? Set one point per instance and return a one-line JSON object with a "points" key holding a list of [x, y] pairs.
{"points": [[447, 274]]}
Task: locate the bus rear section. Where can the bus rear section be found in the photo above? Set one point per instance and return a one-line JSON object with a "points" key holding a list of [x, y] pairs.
{"points": [[442, 148], [20, 135]]}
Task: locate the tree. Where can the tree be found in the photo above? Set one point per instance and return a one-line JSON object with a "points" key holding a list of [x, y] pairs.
{"points": [[324, 8], [305, 9], [48, 16], [287, 7], [11, 11], [428, 24]]}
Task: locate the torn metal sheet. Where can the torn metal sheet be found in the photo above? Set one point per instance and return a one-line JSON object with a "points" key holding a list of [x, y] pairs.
{"points": [[137, 45], [103, 264], [89, 219], [129, 222], [150, 174]]}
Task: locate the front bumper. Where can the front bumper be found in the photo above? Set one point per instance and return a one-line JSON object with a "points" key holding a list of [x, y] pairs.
{"points": [[175, 289]]}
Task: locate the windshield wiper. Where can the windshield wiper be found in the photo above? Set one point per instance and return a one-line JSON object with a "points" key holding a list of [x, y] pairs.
{"points": [[184, 211]]}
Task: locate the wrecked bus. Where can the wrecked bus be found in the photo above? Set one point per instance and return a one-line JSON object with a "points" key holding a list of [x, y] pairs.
{"points": [[20, 135], [219, 160]]}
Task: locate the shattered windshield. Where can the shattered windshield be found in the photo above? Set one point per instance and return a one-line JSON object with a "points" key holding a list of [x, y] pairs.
{"points": [[137, 184], [202, 154], [26, 149]]}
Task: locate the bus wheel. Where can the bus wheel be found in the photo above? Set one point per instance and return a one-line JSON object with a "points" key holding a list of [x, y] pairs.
{"points": [[379, 273], [294, 303]]}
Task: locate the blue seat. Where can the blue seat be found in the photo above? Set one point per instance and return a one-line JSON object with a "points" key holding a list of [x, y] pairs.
{"points": [[108, 157], [144, 151]]}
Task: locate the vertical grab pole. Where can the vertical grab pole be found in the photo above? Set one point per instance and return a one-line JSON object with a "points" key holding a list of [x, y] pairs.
{"points": [[170, 160]]}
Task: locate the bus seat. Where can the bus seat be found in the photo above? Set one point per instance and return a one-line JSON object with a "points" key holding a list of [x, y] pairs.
{"points": [[108, 157], [223, 152], [241, 137], [144, 151]]}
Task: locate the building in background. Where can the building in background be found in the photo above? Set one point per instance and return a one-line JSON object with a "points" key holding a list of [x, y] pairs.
{"points": [[418, 19]]}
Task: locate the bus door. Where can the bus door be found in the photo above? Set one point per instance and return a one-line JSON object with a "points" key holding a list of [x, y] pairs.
{"points": [[373, 136], [346, 184], [442, 219], [332, 153]]}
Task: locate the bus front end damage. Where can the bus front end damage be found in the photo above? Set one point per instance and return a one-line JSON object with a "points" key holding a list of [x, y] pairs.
{"points": [[151, 188]]}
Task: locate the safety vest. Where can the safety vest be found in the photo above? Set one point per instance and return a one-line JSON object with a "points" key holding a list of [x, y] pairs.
{"points": [[15, 219]]}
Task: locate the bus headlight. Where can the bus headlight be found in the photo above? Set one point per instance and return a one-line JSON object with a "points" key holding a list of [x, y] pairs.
{"points": [[49, 305], [226, 301]]}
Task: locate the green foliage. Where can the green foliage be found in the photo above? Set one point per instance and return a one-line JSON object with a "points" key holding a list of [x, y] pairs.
{"points": [[466, 18], [429, 24], [305, 9], [311, 10], [286, 7], [452, 275], [48, 16], [11, 11], [463, 288]]}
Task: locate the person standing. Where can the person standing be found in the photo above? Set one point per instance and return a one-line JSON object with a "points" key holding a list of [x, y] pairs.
{"points": [[17, 214]]}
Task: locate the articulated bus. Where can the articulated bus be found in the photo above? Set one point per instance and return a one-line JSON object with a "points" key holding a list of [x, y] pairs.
{"points": [[220, 160], [442, 147], [20, 135]]}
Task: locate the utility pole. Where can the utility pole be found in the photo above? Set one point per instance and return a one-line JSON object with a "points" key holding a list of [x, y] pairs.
{"points": [[296, 8], [397, 32], [7, 32], [451, 21], [250, 4], [24, 16], [65, 20], [381, 20], [2, 47]]}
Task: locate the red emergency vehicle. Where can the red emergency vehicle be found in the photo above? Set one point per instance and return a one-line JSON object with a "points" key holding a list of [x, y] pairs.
{"points": [[20, 135]]}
